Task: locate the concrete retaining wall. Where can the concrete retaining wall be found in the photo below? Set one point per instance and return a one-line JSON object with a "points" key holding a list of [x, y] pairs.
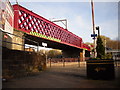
{"points": [[17, 63]]}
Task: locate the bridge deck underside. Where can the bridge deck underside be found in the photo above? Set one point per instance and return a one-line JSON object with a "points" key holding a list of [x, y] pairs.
{"points": [[50, 44]]}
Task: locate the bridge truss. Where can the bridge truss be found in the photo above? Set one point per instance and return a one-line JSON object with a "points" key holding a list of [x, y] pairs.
{"points": [[33, 24]]}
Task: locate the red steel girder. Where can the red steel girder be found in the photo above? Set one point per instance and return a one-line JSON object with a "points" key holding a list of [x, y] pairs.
{"points": [[28, 21]]}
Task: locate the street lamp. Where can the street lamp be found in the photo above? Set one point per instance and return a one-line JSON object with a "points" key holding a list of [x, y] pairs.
{"points": [[97, 28], [45, 45], [93, 35]]}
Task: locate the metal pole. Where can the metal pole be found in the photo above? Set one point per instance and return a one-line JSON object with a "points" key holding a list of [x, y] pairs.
{"points": [[46, 59], [50, 62], [92, 5], [97, 28], [63, 62], [93, 16], [16, 2], [62, 22], [99, 32], [45, 56], [66, 24], [37, 47], [78, 61]]}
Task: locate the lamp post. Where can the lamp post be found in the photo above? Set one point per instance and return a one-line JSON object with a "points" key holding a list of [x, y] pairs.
{"points": [[94, 35], [97, 28], [45, 45]]}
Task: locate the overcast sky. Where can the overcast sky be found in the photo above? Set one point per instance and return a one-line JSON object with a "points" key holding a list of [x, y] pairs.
{"points": [[78, 15]]}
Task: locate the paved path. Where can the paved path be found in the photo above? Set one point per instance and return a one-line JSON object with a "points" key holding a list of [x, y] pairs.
{"points": [[62, 77]]}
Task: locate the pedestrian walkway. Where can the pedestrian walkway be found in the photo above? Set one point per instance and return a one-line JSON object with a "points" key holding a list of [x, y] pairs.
{"points": [[63, 77]]}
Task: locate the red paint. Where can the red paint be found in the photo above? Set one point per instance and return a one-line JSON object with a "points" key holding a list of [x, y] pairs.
{"points": [[26, 21]]}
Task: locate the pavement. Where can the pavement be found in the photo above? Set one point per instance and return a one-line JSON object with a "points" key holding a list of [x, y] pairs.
{"points": [[57, 76]]}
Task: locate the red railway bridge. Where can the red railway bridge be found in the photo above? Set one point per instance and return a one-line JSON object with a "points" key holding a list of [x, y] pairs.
{"points": [[39, 29]]}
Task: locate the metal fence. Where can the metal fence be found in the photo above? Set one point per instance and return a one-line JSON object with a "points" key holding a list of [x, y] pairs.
{"points": [[65, 62]]}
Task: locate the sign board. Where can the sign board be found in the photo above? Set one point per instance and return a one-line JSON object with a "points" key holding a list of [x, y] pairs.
{"points": [[93, 35], [44, 44]]}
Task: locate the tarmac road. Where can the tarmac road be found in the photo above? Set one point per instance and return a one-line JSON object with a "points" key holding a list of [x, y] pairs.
{"points": [[63, 77]]}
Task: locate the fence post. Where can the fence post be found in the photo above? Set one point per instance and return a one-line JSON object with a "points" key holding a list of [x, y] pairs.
{"points": [[37, 47], [50, 62], [78, 61], [63, 62]]}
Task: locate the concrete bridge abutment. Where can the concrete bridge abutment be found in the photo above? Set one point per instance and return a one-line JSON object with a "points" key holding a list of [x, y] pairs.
{"points": [[18, 41]]}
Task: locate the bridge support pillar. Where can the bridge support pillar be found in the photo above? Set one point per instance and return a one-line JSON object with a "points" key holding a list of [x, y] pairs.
{"points": [[82, 55]]}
